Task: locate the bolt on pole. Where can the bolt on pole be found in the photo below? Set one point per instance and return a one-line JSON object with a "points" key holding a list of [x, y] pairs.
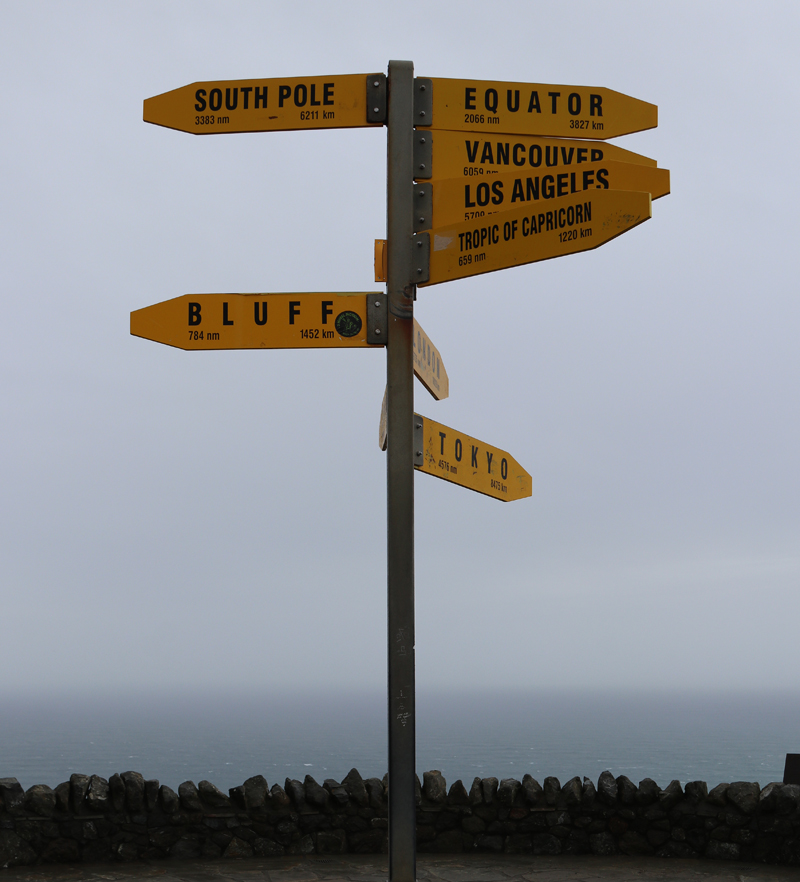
{"points": [[400, 473]]}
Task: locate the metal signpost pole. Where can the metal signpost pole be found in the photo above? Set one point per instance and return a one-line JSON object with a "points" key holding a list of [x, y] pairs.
{"points": [[400, 473]]}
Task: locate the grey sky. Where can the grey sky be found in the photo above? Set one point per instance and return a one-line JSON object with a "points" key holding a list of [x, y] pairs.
{"points": [[173, 519]]}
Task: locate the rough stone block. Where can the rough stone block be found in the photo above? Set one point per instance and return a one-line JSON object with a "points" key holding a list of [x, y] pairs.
{"points": [[78, 788], [40, 800], [279, 798], [264, 847], [434, 786], [476, 792], [670, 796], [552, 790], [787, 799], [376, 795], [353, 783], [648, 792], [716, 796], [572, 792], [296, 792], [626, 790], [695, 791], [331, 842], [489, 789], [744, 795], [237, 849], [189, 797], [602, 844], [14, 852], [255, 792], [62, 798], [134, 791], [607, 788], [726, 851], [315, 794], [534, 793], [338, 794], [151, 794], [507, 791], [116, 789], [458, 794], [212, 796], [546, 843], [168, 799]]}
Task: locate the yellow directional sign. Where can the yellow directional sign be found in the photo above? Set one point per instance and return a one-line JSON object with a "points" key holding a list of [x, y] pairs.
{"points": [[467, 154], [453, 456], [262, 105], [537, 109], [577, 222], [463, 199], [256, 321], [428, 365]]}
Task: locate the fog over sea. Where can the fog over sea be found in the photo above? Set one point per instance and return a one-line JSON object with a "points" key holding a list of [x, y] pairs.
{"points": [[226, 738]]}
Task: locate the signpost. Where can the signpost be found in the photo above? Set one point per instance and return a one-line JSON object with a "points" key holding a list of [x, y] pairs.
{"points": [[459, 199], [569, 224], [536, 109], [473, 154], [263, 321], [213, 108], [461, 459], [477, 141]]}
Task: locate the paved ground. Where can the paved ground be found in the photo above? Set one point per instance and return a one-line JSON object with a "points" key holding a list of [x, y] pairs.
{"points": [[373, 868]]}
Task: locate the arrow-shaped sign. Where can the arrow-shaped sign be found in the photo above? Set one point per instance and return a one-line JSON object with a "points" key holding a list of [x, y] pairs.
{"points": [[453, 456], [329, 102], [453, 200], [262, 321], [535, 109], [568, 224], [474, 155]]}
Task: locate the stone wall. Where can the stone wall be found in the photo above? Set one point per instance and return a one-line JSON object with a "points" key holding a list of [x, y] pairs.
{"points": [[127, 818]]}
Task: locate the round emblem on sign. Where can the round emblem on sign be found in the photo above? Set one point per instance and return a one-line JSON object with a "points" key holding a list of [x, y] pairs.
{"points": [[347, 323]]}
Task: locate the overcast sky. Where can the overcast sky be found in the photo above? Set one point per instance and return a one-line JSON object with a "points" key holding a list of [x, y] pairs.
{"points": [[218, 519]]}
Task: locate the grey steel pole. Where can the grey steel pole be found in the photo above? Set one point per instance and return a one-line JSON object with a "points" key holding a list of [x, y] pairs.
{"points": [[400, 473]]}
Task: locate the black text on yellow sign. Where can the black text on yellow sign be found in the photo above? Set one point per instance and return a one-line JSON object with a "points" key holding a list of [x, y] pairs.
{"points": [[460, 199], [428, 365], [568, 224], [537, 109], [256, 321], [453, 456], [208, 108], [456, 154]]}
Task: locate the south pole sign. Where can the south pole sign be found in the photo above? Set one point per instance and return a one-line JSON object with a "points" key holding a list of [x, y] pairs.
{"points": [[540, 151], [274, 105]]}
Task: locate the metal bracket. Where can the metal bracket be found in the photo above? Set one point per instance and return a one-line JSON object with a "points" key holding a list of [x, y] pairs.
{"points": [[423, 101], [421, 258], [376, 98], [423, 154], [423, 207], [419, 441], [377, 319]]}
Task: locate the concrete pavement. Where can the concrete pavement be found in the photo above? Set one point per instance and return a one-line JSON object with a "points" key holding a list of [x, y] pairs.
{"points": [[430, 868]]}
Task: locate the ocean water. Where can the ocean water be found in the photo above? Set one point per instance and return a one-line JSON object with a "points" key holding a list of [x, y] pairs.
{"points": [[226, 739]]}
